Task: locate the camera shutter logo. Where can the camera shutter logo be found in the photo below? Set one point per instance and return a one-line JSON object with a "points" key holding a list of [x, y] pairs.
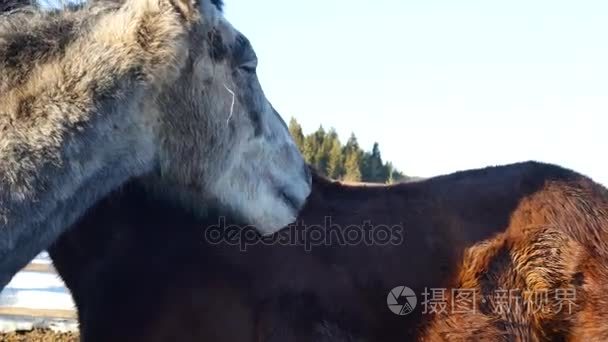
{"points": [[401, 300]]}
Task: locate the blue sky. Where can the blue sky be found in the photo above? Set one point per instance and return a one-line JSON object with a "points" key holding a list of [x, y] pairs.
{"points": [[442, 85]]}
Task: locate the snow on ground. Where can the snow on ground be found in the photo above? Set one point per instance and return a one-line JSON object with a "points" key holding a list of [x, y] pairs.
{"points": [[36, 290], [27, 323], [29, 291], [42, 258]]}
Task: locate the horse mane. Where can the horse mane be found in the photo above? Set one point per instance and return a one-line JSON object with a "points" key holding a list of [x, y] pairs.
{"points": [[7, 6], [11, 5]]}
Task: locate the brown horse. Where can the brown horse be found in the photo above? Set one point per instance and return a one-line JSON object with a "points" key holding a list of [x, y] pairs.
{"points": [[543, 279], [153, 272]]}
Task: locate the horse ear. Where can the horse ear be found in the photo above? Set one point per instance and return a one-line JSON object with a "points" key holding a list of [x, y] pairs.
{"points": [[188, 9]]}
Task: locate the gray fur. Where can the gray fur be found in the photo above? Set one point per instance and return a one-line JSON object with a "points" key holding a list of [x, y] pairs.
{"points": [[94, 95]]}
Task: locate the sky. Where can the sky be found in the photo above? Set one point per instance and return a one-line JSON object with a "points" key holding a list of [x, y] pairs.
{"points": [[441, 85]]}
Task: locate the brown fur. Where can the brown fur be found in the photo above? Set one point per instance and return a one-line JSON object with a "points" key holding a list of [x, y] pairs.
{"points": [[150, 275], [555, 242]]}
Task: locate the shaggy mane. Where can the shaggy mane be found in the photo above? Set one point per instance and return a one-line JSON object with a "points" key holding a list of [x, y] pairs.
{"points": [[11, 5]]}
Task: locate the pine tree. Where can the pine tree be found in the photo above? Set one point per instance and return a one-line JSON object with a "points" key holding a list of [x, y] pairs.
{"points": [[366, 172], [335, 163], [309, 151], [322, 151], [351, 145], [352, 172], [376, 167], [398, 176], [320, 135], [296, 132], [325, 152]]}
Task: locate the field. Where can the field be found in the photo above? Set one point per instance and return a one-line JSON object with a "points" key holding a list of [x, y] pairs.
{"points": [[36, 306], [38, 335]]}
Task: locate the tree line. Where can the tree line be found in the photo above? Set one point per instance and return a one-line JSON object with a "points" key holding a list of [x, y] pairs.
{"points": [[347, 162]]}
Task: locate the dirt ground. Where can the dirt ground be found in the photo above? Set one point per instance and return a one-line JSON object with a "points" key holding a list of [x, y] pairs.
{"points": [[38, 335]]}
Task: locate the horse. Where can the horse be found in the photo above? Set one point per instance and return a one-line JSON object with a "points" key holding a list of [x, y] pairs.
{"points": [[542, 279], [142, 269], [94, 95]]}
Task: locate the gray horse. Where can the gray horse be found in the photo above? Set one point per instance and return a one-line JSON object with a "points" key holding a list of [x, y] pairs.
{"points": [[96, 94]]}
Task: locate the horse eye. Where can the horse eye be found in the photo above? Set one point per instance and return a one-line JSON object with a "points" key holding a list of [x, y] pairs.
{"points": [[249, 66], [244, 55]]}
